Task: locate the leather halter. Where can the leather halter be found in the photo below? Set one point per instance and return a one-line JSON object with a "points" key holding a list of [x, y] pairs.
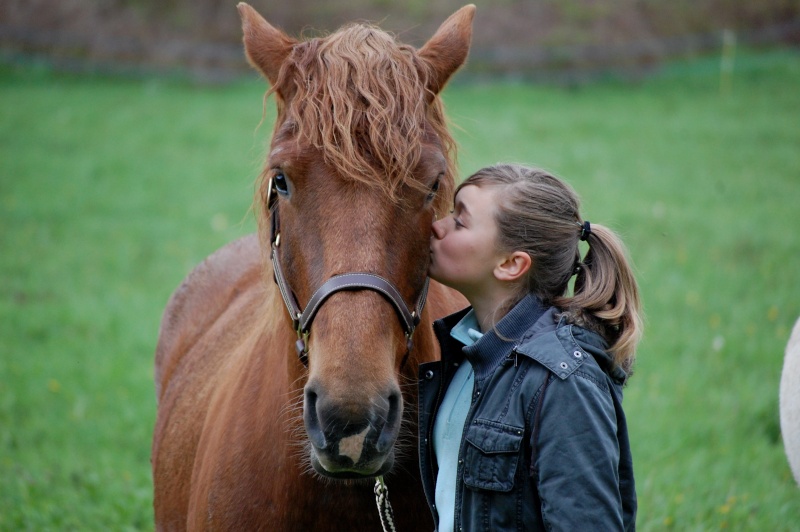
{"points": [[302, 318]]}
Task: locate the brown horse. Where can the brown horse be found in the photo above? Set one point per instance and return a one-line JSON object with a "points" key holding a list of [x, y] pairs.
{"points": [[249, 435]]}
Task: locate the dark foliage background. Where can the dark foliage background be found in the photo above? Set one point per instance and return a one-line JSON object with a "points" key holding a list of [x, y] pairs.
{"points": [[512, 37]]}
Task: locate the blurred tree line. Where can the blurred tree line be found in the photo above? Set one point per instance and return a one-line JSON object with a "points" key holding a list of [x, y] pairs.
{"points": [[510, 36]]}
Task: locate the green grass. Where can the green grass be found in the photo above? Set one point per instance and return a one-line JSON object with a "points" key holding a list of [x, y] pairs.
{"points": [[111, 190]]}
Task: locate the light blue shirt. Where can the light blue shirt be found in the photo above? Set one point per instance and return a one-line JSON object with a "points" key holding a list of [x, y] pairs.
{"points": [[449, 424]]}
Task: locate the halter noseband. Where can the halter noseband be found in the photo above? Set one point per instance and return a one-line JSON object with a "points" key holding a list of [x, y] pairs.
{"points": [[302, 319]]}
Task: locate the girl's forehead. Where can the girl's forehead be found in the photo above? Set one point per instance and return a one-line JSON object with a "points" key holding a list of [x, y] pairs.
{"points": [[468, 192], [477, 201], [476, 193]]}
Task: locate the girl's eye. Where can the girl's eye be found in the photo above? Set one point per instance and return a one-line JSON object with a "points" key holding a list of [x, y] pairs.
{"points": [[281, 183], [458, 223]]}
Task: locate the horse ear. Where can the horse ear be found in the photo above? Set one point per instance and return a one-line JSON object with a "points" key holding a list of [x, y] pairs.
{"points": [[266, 46], [447, 50]]}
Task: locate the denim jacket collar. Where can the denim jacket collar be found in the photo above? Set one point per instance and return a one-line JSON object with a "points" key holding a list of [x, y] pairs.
{"points": [[497, 343], [556, 344]]}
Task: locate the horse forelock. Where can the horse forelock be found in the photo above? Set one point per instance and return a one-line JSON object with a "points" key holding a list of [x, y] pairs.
{"points": [[360, 98]]}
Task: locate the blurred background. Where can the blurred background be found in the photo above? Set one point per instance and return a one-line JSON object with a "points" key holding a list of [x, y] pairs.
{"points": [[516, 38], [132, 133]]}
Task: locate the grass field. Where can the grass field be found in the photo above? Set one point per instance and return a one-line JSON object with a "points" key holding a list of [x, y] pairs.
{"points": [[111, 190]]}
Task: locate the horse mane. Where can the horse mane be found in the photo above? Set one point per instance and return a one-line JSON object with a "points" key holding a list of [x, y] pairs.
{"points": [[360, 97]]}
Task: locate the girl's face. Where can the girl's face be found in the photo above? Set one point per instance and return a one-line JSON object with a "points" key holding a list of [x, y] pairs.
{"points": [[464, 244]]}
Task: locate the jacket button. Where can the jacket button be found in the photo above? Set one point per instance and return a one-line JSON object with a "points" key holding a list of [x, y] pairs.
{"points": [[577, 354], [563, 365], [429, 375]]}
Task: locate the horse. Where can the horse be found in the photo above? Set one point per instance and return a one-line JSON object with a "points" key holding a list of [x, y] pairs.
{"points": [[790, 401], [263, 421]]}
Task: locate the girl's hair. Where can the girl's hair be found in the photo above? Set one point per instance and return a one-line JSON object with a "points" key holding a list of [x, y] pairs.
{"points": [[538, 213]]}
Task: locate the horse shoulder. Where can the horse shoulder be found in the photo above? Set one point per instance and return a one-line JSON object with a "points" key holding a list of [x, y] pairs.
{"points": [[790, 401], [209, 324], [241, 455], [443, 300], [203, 296]]}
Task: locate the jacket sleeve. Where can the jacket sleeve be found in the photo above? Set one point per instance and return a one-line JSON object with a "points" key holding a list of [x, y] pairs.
{"points": [[576, 459]]}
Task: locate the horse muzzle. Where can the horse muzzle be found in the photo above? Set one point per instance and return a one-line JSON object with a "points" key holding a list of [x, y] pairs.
{"points": [[352, 438]]}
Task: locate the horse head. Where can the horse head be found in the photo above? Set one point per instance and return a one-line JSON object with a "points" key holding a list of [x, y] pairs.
{"points": [[359, 164]]}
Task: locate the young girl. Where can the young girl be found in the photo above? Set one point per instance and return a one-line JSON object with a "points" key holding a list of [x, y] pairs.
{"points": [[521, 423]]}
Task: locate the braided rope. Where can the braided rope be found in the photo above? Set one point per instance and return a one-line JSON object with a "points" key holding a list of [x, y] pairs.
{"points": [[384, 507]]}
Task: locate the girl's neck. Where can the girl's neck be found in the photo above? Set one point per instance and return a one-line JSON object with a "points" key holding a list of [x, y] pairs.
{"points": [[490, 307]]}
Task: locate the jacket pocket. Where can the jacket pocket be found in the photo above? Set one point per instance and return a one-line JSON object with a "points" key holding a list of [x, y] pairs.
{"points": [[491, 455]]}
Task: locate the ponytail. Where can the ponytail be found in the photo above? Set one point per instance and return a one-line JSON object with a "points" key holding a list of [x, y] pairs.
{"points": [[606, 295]]}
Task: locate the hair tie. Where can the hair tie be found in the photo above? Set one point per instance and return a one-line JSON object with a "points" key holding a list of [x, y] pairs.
{"points": [[586, 230]]}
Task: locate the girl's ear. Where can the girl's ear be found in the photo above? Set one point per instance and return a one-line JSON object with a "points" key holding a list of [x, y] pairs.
{"points": [[513, 267]]}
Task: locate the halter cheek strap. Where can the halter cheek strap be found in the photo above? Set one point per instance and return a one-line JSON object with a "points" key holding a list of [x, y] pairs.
{"points": [[302, 318]]}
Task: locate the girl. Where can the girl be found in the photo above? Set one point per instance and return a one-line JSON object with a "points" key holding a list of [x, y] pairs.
{"points": [[521, 423]]}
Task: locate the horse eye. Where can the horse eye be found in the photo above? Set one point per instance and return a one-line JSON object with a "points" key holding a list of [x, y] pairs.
{"points": [[434, 190], [281, 183]]}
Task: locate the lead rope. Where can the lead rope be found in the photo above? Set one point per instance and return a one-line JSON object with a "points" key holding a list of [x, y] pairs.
{"points": [[384, 507]]}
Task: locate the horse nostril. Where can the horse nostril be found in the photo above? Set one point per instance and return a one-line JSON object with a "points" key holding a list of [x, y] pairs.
{"points": [[311, 419], [392, 426]]}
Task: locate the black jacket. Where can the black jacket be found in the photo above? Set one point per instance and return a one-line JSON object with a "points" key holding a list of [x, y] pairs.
{"points": [[545, 443]]}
